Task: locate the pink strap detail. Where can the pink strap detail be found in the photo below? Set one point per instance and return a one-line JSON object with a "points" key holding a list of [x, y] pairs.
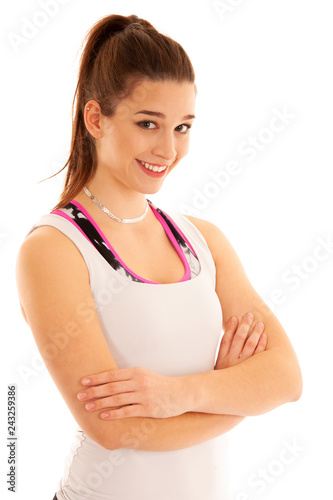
{"points": [[173, 240], [180, 232], [83, 210], [175, 244], [62, 214]]}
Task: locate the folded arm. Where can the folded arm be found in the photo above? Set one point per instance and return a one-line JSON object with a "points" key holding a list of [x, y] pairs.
{"points": [[53, 285], [262, 382]]}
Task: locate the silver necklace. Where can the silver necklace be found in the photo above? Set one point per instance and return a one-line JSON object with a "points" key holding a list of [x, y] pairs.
{"points": [[102, 207]]}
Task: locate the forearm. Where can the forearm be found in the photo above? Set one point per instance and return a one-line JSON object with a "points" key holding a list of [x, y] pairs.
{"points": [[174, 433], [253, 387]]}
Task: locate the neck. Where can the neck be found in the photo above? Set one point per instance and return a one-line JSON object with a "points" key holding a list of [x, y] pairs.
{"points": [[123, 203]]}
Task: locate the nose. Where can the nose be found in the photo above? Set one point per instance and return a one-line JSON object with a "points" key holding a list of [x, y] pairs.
{"points": [[165, 146]]}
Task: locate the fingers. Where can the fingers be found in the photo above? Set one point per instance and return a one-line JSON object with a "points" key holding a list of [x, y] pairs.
{"points": [[120, 392], [254, 342], [241, 335], [112, 402], [135, 410], [105, 390], [262, 344], [226, 340], [107, 376]]}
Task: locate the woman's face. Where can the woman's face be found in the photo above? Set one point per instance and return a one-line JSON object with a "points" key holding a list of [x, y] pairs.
{"points": [[151, 126]]}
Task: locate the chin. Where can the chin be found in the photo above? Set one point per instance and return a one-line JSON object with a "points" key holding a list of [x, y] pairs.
{"points": [[151, 187], [153, 191]]}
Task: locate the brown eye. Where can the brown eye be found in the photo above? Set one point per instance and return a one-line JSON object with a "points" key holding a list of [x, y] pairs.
{"points": [[187, 129], [146, 125]]}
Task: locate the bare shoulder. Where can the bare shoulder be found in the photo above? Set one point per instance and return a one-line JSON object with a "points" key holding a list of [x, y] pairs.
{"points": [[201, 223], [45, 238], [47, 255], [48, 244], [216, 240]]}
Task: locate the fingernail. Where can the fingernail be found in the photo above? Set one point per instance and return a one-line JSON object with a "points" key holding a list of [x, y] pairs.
{"points": [[90, 406], [104, 415], [233, 320], [249, 316], [86, 381], [264, 336], [82, 395], [260, 326]]}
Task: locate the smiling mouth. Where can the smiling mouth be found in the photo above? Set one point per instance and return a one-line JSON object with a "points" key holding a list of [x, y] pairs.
{"points": [[153, 168]]}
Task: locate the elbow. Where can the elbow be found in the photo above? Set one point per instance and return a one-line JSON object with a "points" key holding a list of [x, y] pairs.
{"points": [[293, 381], [117, 435], [102, 433], [286, 381], [108, 441], [297, 388]]}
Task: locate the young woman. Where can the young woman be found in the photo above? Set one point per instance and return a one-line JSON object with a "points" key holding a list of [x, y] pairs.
{"points": [[127, 303]]}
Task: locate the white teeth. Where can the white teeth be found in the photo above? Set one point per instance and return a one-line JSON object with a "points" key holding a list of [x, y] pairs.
{"points": [[150, 167]]}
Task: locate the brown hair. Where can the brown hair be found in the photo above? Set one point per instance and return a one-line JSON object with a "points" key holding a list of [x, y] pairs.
{"points": [[119, 52]]}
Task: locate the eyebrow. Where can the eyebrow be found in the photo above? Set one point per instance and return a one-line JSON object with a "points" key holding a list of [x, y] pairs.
{"points": [[161, 115]]}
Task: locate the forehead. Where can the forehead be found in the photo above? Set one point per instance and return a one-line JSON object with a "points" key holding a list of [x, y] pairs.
{"points": [[166, 96]]}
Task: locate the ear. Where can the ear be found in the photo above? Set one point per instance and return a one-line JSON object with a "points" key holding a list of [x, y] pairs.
{"points": [[93, 118]]}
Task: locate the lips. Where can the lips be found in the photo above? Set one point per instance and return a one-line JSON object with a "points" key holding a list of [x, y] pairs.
{"points": [[148, 170]]}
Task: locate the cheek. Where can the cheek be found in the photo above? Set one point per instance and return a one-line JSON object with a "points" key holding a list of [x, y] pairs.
{"points": [[184, 147], [130, 140], [138, 144]]}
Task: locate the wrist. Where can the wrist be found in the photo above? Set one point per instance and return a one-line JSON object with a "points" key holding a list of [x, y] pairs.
{"points": [[192, 393]]}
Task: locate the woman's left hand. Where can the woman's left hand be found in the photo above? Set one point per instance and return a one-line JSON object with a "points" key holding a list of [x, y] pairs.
{"points": [[134, 392]]}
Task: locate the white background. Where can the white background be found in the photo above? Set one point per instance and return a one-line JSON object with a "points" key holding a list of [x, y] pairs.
{"points": [[256, 57]]}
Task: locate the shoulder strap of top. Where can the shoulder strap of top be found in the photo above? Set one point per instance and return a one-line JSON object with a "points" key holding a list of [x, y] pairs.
{"points": [[175, 230], [77, 215], [186, 230], [69, 230], [192, 233]]}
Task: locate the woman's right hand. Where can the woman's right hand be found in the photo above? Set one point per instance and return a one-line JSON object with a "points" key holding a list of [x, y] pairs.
{"points": [[238, 344]]}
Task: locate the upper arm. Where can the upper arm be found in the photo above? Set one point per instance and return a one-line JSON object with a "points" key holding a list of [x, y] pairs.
{"points": [[235, 292], [54, 291]]}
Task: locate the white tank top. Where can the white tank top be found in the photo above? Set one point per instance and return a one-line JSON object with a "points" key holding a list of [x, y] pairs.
{"points": [[173, 329]]}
